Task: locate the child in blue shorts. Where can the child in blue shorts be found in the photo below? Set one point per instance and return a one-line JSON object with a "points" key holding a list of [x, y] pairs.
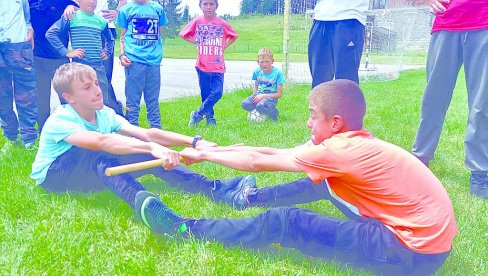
{"points": [[141, 52], [268, 87]]}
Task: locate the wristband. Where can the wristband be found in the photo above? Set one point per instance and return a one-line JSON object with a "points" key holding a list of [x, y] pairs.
{"points": [[196, 138]]}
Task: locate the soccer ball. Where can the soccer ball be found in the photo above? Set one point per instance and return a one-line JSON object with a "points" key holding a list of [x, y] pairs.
{"points": [[256, 117]]}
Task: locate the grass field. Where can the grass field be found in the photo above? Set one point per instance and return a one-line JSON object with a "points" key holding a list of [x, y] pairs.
{"points": [[96, 234], [267, 31]]}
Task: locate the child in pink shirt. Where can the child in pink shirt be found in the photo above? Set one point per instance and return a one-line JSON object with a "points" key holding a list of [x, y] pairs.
{"points": [[211, 35]]}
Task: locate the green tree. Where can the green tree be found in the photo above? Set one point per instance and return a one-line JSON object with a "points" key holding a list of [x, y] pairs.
{"points": [[174, 11], [249, 6], [186, 14], [267, 7]]}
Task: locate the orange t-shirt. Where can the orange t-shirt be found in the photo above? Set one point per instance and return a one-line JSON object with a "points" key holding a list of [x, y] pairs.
{"points": [[386, 183]]}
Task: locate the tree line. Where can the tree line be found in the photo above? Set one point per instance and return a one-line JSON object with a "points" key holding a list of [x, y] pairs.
{"points": [[275, 6]]}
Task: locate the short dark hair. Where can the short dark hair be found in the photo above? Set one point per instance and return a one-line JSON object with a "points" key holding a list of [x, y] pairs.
{"points": [[340, 97]]}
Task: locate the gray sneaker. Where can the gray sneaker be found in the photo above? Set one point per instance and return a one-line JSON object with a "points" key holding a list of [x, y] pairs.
{"points": [[194, 119], [234, 191]]}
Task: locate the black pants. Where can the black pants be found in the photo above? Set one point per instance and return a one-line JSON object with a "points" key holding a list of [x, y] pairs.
{"points": [[335, 49], [361, 242], [82, 170]]}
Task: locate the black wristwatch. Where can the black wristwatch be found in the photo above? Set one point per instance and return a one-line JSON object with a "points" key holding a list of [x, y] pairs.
{"points": [[196, 138]]}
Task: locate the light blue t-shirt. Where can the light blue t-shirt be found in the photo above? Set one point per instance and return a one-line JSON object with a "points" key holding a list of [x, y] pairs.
{"points": [[64, 122], [142, 41], [268, 83]]}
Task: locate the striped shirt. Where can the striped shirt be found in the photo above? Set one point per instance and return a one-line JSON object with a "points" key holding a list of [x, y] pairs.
{"points": [[89, 32]]}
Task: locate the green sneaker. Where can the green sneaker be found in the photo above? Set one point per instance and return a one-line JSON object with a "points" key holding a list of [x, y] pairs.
{"points": [[157, 216], [8, 146]]}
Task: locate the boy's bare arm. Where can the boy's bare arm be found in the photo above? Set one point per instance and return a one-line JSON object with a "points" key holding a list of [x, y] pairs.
{"points": [[165, 138], [189, 39], [243, 160], [124, 60], [119, 144], [277, 95], [229, 41]]}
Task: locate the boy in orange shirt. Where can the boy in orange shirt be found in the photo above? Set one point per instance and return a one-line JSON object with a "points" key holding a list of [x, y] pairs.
{"points": [[401, 219]]}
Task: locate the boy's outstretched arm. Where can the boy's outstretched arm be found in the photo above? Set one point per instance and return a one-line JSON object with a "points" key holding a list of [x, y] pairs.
{"points": [[164, 138], [119, 144], [251, 161]]}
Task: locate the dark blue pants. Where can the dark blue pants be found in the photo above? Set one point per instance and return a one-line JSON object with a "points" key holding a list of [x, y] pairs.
{"points": [[109, 68], [109, 98], [44, 75], [18, 83], [109, 63], [141, 78], [334, 50], [358, 241], [211, 90], [82, 170]]}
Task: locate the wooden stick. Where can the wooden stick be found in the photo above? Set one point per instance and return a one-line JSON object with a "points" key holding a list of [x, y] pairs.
{"points": [[142, 165], [134, 167]]}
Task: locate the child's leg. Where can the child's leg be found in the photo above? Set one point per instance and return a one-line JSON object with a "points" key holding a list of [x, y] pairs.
{"points": [[348, 41], [217, 89], [20, 61], [10, 124], [45, 69], [365, 243], [135, 82], [268, 107], [296, 192], [64, 175], [205, 85], [444, 61], [151, 95], [109, 98], [320, 52], [248, 104], [180, 177]]}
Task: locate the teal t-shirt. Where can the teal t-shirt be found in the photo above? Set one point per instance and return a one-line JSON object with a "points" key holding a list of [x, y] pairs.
{"points": [[61, 124], [268, 83], [142, 41]]}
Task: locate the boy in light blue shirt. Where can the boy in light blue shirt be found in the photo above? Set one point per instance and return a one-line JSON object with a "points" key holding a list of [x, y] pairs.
{"points": [[268, 88], [141, 52], [81, 139]]}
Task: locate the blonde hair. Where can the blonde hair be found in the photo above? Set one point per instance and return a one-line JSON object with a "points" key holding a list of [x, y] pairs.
{"points": [[67, 73], [340, 97], [265, 52]]}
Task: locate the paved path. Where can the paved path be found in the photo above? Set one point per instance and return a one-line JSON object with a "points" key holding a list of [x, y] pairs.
{"points": [[179, 78]]}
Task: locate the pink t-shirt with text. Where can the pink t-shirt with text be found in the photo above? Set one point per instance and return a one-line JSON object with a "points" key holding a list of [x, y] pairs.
{"points": [[210, 39], [462, 15]]}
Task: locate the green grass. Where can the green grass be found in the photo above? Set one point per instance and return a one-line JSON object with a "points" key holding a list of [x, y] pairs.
{"points": [[259, 31], [41, 233]]}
